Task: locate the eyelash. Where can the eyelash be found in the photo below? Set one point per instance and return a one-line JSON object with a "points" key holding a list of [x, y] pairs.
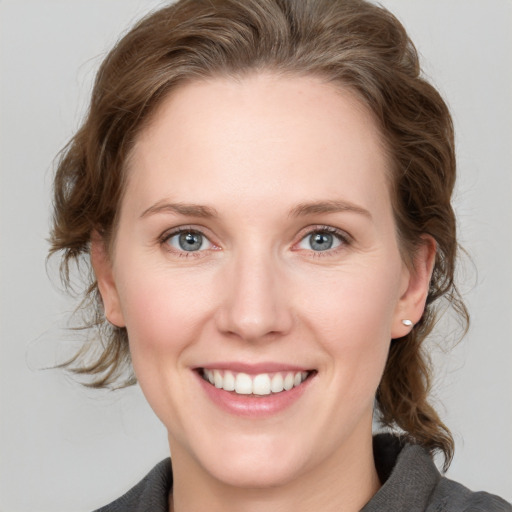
{"points": [[165, 237], [344, 238]]}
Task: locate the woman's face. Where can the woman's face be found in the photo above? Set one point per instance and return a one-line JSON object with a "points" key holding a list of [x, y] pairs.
{"points": [[256, 248]]}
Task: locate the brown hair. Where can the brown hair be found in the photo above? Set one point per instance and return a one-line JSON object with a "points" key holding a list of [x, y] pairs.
{"points": [[351, 43]]}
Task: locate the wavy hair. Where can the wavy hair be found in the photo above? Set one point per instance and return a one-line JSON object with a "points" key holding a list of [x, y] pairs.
{"points": [[352, 44]]}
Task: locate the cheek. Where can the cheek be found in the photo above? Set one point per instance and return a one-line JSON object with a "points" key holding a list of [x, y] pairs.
{"points": [[353, 315], [358, 304], [162, 312], [164, 318]]}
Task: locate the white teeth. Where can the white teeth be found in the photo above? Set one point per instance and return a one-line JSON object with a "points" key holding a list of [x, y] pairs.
{"points": [[277, 384], [243, 384], [261, 384], [217, 379], [288, 381], [229, 381]]}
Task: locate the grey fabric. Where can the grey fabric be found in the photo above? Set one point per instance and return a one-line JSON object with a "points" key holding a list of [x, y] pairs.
{"points": [[149, 495], [411, 483]]}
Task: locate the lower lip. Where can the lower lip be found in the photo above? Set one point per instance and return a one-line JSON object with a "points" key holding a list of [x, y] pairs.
{"points": [[253, 406]]}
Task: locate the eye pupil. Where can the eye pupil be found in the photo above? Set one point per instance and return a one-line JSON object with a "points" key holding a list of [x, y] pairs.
{"points": [[321, 241], [190, 241]]}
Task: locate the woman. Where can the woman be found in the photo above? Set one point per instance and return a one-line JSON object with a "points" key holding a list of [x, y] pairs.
{"points": [[263, 188]]}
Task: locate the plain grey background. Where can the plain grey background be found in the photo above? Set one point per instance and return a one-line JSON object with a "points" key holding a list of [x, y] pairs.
{"points": [[65, 448]]}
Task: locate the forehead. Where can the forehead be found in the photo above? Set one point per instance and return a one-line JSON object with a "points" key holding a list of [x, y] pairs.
{"points": [[260, 134]]}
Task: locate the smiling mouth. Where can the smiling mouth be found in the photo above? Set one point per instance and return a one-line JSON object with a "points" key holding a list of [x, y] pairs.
{"points": [[261, 384]]}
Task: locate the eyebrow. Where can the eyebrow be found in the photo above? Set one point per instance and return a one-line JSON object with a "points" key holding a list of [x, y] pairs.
{"points": [[190, 210], [312, 208], [301, 210]]}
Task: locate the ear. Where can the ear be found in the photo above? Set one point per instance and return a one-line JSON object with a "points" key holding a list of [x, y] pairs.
{"points": [[415, 288], [102, 265]]}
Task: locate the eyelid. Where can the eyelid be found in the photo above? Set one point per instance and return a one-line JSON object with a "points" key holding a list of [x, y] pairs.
{"points": [[344, 237], [169, 233]]}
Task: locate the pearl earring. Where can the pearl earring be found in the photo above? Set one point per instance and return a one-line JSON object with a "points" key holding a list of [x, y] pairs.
{"points": [[407, 323]]}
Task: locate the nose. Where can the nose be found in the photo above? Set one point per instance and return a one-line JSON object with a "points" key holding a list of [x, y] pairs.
{"points": [[256, 299]]}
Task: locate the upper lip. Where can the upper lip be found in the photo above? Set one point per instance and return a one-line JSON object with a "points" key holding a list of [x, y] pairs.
{"points": [[254, 368]]}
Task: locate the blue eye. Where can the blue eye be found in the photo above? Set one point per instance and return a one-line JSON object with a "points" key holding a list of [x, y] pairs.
{"points": [[189, 241], [321, 240]]}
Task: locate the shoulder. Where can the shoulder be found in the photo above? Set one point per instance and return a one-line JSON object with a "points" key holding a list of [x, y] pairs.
{"points": [[451, 496], [412, 483], [151, 493]]}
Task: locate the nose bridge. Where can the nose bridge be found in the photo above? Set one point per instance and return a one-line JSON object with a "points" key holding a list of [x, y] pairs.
{"points": [[256, 302]]}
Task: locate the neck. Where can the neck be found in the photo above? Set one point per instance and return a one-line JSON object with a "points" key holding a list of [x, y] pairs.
{"points": [[344, 482]]}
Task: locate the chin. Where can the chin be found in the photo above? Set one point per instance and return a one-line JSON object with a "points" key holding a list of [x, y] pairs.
{"points": [[254, 461], [256, 473]]}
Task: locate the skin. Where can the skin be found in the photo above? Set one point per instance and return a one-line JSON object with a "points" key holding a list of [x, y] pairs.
{"points": [[255, 151]]}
